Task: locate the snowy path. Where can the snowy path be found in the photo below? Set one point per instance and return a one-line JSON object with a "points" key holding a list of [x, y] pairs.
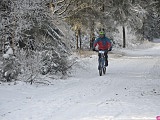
{"points": [[129, 91]]}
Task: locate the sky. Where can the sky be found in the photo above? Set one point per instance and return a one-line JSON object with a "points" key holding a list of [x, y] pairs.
{"points": [[130, 90]]}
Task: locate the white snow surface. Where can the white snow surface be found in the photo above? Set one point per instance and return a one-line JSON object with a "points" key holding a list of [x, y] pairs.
{"points": [[5, 56], [9, 51], [130, 90]]}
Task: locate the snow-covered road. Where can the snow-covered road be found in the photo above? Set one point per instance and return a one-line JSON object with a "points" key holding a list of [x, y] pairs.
{"points": [[129, 91]]}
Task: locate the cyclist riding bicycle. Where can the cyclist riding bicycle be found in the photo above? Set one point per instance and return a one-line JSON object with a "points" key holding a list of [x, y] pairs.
{"points": [[103, 43]]}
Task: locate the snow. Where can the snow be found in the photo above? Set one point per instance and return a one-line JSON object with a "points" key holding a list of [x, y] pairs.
{"points": [[9, 51], [129, 91], [5, 56]]}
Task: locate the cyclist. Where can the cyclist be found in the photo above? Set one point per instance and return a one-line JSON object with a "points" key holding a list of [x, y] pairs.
{"points": [[103, 43]]}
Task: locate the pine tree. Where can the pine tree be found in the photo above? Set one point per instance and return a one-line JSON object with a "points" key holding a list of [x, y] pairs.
{"points": [[151, 26]]}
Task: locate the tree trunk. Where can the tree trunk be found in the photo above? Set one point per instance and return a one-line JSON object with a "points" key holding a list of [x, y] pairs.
{"points": [[133, 1], [92, 38], [124, 37], [80, 40], [143, 29], [91, 33], [13, 36], [76, 41]]}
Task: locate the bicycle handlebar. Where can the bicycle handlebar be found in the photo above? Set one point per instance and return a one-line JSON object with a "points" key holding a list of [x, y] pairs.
{"points": [[101, 50]]}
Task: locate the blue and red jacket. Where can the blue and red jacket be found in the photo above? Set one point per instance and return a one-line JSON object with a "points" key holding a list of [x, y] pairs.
{"points": [[103, 43]]}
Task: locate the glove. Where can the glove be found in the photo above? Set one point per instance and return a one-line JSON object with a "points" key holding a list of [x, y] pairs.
{"points": [[94, 49], [110, 49]]}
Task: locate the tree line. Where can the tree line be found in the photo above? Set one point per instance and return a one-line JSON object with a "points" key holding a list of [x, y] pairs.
{"points": [[140, 15], [44, 32]]}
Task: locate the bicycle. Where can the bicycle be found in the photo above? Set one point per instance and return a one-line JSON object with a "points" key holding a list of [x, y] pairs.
{"points": [[101, 61]]}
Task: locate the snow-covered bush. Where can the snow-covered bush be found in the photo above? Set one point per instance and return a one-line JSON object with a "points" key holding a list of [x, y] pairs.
{"points": [[30, 65], [10, 70], [54, 63], [45, 38], [33, 64], [10, 66]]}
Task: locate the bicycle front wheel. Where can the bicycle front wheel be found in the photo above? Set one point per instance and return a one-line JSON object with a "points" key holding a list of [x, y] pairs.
{"points": [[100, 72]]}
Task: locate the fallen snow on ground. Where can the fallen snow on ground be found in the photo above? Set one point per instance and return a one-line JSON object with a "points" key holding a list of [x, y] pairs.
{"points": [[129, 91]]}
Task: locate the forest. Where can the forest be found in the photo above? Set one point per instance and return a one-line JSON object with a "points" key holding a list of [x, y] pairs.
{"points": [[38, 36]]}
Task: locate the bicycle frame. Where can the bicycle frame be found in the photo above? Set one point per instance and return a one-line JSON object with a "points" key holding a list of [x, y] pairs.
{"points": [[101, 61]]}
